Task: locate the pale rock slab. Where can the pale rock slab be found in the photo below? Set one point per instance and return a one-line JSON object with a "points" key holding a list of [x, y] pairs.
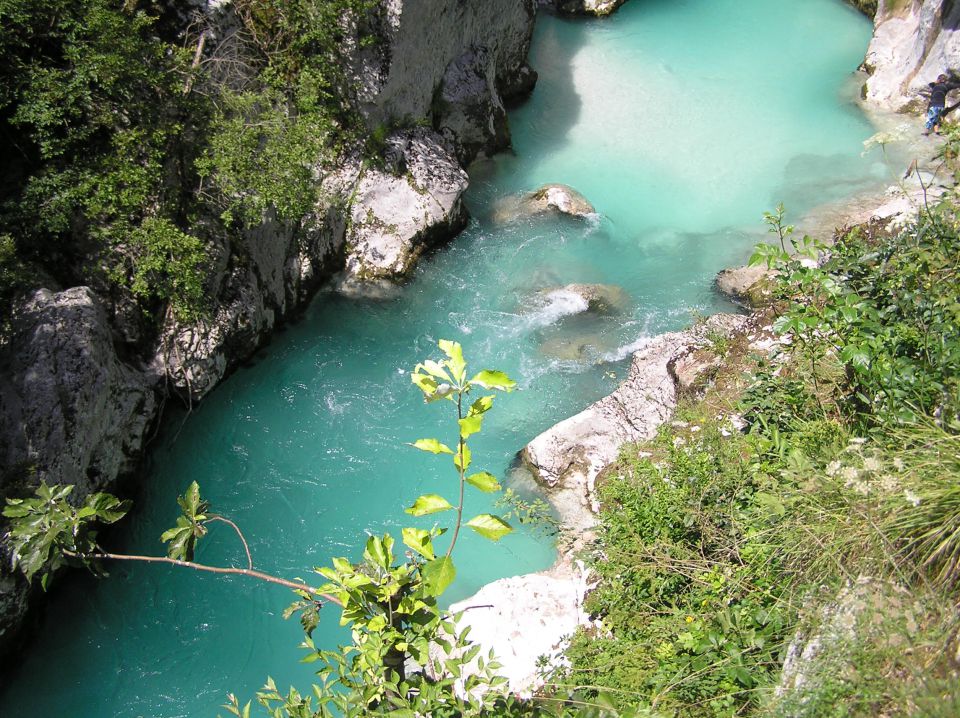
{"points": [[913, 42], [394, 219]]}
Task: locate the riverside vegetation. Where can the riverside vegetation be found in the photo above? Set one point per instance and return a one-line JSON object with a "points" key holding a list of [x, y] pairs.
{"points": [[790, 545], [131, 149]]}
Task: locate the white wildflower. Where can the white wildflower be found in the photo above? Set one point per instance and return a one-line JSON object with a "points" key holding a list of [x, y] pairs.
{"points": [[898, 464], [911, 497], [857, 441], [860, 487], [833, 468], [694, 429], [850, 474], [872, 463], [679, 441], [889, 483]]}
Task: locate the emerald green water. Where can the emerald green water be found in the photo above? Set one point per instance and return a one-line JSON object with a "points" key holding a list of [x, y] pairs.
{"points": [[682, 122]]}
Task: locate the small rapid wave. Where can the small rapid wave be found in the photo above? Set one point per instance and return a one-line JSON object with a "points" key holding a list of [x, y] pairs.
{"points": [[553, 306], [621, 353]]}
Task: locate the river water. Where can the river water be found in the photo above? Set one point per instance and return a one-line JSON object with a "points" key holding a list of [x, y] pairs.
{"points": [[682, 122]]}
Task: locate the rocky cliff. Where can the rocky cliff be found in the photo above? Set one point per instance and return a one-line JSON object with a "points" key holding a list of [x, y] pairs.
{"points": [[913, 42], [77, 401]]}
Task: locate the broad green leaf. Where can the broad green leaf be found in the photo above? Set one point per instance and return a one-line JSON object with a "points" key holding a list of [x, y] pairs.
{"points": [[470, 425], [420, 541], [481, 405], [109, 509], [431, 445], [456, 364], [435, 369], [429, 504], [376, 553], [427, 384], [438, 575], [190, 501], [490, 526], [494, 380], [462, 458], [16, 508], [484, 481]]}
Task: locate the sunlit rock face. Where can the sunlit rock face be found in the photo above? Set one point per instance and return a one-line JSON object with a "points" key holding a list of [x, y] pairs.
{"points": [[598, 8], [914, 41], [451, 63]]}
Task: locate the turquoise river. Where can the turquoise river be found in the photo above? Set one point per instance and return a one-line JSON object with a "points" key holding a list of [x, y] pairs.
{"points": [[682, 122]]}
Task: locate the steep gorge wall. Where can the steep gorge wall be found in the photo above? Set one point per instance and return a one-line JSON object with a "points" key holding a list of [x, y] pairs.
{"points": [[913, 42], [76, 402]]}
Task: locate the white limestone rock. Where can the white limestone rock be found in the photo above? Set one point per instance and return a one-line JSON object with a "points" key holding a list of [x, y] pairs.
{"points": [[394, 219], [597, 8], [568, 457], [550, 198], [913, 42], [525, 617]]}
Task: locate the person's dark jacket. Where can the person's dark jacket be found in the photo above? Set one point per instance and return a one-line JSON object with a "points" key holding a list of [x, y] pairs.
{"points": [[939, 90]]}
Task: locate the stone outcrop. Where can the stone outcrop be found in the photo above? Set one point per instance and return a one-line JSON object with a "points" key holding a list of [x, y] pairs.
{"points": [[451, 62], [913, 42], [394, 219], [551, 198], [568, 458], [71, 411], [749, 285], [597, 8], [524, 617]]}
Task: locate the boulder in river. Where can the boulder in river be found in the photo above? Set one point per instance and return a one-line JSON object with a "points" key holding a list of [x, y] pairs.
{"points": [[597, 8], [551, 198], [749, 285]]}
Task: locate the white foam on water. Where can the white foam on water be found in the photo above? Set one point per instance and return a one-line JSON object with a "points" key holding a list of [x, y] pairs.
{"points": [[621, 353], [556, 305]]}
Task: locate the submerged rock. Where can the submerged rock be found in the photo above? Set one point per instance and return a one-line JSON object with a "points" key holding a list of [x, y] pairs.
{"points": [[575, 348], [599, 298]]}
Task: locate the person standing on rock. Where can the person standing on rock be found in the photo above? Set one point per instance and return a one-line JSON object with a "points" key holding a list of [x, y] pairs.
{"points": [[938, 100]]}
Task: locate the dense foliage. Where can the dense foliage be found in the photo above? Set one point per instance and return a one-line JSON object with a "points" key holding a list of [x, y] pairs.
{"points": [[830, 520], [129, 132]]}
